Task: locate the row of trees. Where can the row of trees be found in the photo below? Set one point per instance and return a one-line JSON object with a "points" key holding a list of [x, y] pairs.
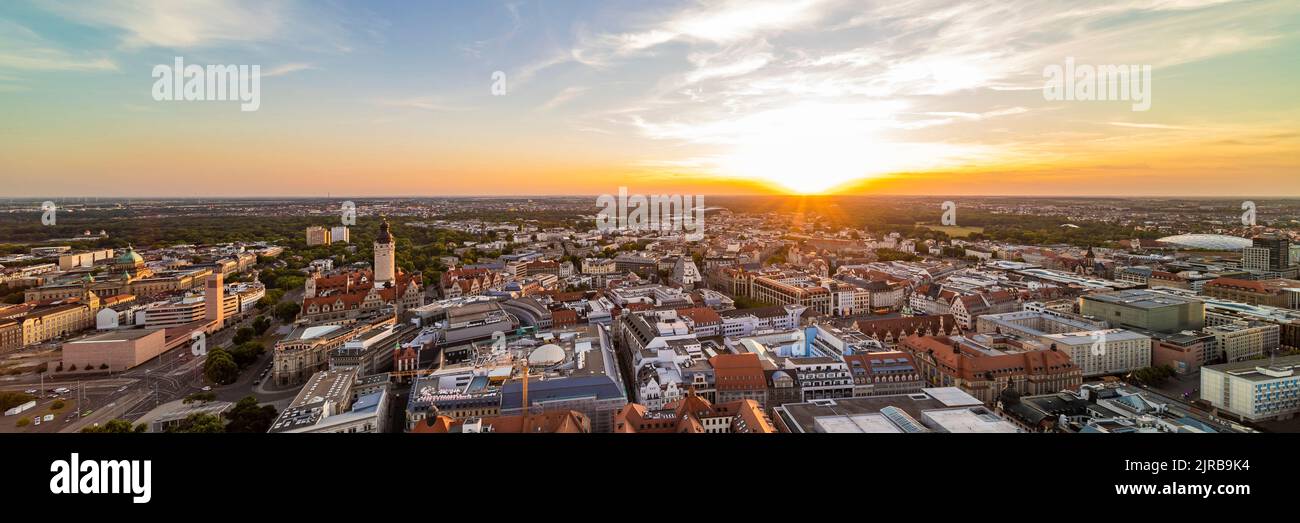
{"points": [[245, 416], [1152, 376], [9, 400], [224, 365], [102, 366]]}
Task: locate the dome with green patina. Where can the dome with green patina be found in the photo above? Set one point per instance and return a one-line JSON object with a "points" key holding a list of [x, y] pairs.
{"points": [[129, 258]]}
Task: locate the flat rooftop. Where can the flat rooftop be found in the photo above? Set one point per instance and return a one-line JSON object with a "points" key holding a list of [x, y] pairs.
{"points": [[972, 420], [1141, 298], [117, 335], [1250, 369], [807, 415]]}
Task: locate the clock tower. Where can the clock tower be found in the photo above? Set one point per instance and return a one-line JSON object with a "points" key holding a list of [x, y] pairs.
{"points": [[385, 256]]}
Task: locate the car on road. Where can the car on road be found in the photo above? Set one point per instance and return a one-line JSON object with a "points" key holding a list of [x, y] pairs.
{"points": [[205, 389], [62, 390], [30, 391]]}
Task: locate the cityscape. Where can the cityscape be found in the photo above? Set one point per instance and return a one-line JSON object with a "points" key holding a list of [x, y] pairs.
{"points": [[564, 222], [787, 314]]}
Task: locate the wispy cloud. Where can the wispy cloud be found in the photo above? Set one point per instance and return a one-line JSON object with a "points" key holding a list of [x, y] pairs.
{"points": [[749, 79], [1150, 126], [564, 96], [424, 103], [22, 48], [179, 25], [202, 24], [476, 48], [287, 69]]}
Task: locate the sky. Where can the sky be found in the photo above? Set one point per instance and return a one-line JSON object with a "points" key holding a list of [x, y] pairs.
{"points": [[380, 98]]}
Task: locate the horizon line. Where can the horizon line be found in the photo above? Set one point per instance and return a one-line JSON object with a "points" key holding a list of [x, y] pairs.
{"points": [[593, 195]]}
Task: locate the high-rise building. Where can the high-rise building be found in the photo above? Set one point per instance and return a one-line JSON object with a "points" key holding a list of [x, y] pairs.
{"points": [[385, 256], [340, 233], [1267, 253], [214, 296], [1255, 259], [317, 235]]}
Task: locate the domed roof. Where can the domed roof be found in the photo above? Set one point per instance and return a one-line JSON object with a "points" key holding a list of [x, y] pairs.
{"points": [[1208, 241], [385, 235], [129, 257], [546, 355]]}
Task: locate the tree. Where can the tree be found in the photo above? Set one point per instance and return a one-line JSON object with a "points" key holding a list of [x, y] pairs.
{"points": [[1153, 375], [9, 400], [886, 255], [247, 353], [243, 335], [272, 297], [287, 312], [261, 324], [117, 426], [247, 416], [200, 397], [199, 422], [748, 303], [220, 367]]}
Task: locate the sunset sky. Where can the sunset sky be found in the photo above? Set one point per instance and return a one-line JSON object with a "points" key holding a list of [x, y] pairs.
{"points": [[395, 98]]}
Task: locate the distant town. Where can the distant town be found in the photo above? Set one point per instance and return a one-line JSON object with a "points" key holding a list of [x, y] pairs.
{"points": [[828, 314]]}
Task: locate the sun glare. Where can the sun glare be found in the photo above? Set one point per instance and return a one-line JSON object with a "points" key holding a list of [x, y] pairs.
{"points": [[814, 149], [822, 148]]}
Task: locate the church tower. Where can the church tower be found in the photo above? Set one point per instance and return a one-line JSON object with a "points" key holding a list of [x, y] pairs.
{"points": [[385, 256]]}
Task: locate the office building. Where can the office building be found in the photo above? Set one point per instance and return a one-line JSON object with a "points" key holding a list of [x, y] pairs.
{"points": [[1097, 350], [317, 235], [1275, 292], [1258, 390], [115, 351], [984, 367], [1267, 253], [328, 403], [1242, 340], [1145, 309]]}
